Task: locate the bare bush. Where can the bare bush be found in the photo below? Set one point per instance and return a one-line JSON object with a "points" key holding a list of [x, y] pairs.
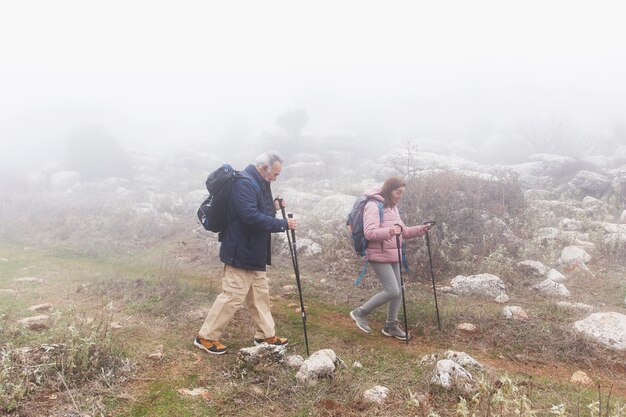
{"points": [[476, 216]]}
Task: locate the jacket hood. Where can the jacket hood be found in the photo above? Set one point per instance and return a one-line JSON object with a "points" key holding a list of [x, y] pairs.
{"points": [[375, 194]]}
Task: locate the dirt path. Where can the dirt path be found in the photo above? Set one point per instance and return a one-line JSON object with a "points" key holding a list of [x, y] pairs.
{"points": [[533, 367]]}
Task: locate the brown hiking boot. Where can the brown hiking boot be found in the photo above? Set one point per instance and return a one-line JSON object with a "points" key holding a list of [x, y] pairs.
{"points": [[210, 346], [274, 340]]}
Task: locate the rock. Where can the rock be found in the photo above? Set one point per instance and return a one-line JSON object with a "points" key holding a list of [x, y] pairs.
{"points": [[307, 248], [570, 224], [158, 354], [486, 285], [7, 291], [608, 329], [552, 289], [39, 322], [622, 217], [116, 325], [592, 204], [199, 314], [261, 355], [572, 254], [377, 395], [40, 307], [462, 359], [294, 361], [533, 268], [289, 289], [357, 365], [466, 328], [452, 376], [515, 313], [580, 378], [196, 392], [320, 364], [590, 183], [502, 299], [555, 276], [429, 359]]}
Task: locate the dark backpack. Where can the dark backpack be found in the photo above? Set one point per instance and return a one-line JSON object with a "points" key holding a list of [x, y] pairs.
{"points": [[213, 211], [355, 223]]}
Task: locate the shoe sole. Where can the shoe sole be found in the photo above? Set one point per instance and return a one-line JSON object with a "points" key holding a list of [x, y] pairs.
{"points": [[260, 343], [368, 331], [399, 338], [201, 346]]}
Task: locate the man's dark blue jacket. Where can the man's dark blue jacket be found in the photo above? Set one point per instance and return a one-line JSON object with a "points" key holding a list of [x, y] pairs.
{"points": [[251, 218]]}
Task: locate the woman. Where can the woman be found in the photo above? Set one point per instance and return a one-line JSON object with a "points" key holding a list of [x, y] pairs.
{"points": [[382, 254]]}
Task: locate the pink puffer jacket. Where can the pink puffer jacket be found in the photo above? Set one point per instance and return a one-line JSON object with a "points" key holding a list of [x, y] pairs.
{"points": [[381, 247]]}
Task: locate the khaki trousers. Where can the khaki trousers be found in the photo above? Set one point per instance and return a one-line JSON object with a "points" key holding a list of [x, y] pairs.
{"points": [[240, 287]]}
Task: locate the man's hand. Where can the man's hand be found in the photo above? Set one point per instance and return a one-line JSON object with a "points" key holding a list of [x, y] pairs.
{"points": [[292, 223], [279, 203]]}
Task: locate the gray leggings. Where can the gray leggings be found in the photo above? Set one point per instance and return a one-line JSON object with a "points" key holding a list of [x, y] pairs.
{"points": [[389, 276]]}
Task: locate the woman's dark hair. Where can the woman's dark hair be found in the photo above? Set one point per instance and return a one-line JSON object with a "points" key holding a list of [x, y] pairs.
{"points": [[391, 183]]}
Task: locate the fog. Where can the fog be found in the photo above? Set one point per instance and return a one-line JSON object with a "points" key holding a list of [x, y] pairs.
{"points": [[160, 76]]}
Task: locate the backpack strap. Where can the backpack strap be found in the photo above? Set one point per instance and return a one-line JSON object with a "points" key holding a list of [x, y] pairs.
{"points": [[363, 271], [381, 209]]}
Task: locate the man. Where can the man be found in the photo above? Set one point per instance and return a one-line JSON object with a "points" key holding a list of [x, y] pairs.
{"points": [[245, 252]]}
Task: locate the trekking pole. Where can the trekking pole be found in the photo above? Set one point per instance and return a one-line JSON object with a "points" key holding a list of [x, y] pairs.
{"points": [[432, 273], [294, 260], [297, 271], [282, 210], [406, 327]]}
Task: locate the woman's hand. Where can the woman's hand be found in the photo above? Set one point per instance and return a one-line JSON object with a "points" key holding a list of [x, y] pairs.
{"points": [[395, 230]]}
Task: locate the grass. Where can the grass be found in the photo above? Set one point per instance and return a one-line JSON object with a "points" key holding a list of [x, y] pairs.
{"points": [[151, 296]]}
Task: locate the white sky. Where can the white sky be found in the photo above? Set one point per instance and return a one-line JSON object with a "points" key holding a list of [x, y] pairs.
{"points": [[159, 74]]}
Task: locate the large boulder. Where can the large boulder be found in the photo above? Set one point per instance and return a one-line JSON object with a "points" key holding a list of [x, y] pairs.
{"points": [[452, 376], [485, 285], [587, 183], [320, 364], [608, 329]]}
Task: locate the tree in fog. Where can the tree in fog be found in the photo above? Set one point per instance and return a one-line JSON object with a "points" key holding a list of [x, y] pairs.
{"points": [[96, 154]]}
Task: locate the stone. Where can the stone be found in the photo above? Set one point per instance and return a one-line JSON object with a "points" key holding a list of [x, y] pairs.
{"points": [[377, 394], [466, 328], [39, 322], [319, 365], [40, 307], [158, 354], [608, 329], [571, 254], [580, 378], [196, 392], [552, 289], [462, 359], [534, 268], [555, 276], [294, 361], [486, 285], [452, 376], [516, 313], [261, 355], [199, 314]]}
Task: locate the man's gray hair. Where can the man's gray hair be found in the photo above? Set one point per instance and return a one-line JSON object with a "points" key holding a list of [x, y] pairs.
{"points": [[268, 159]]}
